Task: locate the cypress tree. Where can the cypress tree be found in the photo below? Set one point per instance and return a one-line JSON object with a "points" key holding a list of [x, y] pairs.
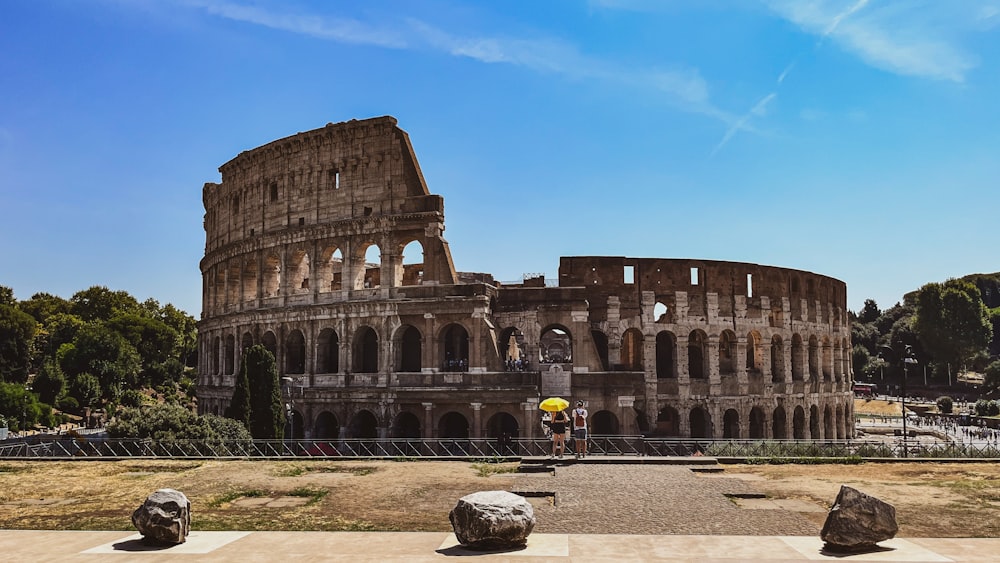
{"points": [[267, 418], [239, 405]]}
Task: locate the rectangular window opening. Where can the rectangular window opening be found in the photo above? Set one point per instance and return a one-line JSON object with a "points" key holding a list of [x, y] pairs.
{"points": [[694, 276], [302, 221], [336, 179], [629, 274], [749, 285]]}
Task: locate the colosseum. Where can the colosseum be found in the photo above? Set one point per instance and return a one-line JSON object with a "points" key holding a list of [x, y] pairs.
{"points": [[327, 248]]}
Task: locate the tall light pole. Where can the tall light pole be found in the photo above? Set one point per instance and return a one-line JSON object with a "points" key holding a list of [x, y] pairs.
{"points": [[887, 354]]}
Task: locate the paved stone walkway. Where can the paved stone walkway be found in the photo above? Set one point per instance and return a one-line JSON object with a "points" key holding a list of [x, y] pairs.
{"points": [[651, 499]]}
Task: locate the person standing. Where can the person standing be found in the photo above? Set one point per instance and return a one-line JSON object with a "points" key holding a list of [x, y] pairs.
{"points": [[559, 422], [579, 418]]}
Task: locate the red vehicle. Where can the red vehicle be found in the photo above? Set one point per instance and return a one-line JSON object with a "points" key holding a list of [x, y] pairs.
{"points": [[865, 389]]}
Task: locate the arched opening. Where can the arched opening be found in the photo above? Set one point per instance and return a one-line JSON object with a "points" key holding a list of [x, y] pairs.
{"points": [[502, 425], [601, 343], [295, 352], [666, 345], [757, 423], [604, 423], [697, 356], [327, 426], [631, 353], [330, 270], [230, 354], [661, 313], [405, 425], [512, 351], [777, 359], [328, 352], [455, 348], [270, 342], [249, 280], [294, 425], [755, 355], [364, 424], [731, 425], [798, 359], [412, 264], [701, 423], [727, 353], [272, 275], [778, 424], [365, 353], [217, 355], [813, 423], [813, 358], [799, 423], [827, 366], [245, 343], [408, 346], [453, 426], [369, 276], [555, 345], [829, 432], [298, 272], [668, 422]]}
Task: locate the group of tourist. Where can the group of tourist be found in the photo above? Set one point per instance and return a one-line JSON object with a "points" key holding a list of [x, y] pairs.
{"points": [[559, 422], [516, 365]]}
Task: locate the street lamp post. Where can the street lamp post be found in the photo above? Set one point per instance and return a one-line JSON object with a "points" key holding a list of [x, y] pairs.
{"points": [[886, 353]]}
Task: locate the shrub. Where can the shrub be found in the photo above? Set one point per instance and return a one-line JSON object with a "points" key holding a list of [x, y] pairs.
{"points": [[945, 404]]}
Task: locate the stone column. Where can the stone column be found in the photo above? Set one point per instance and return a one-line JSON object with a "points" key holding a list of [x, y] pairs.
{"points": [[529, 422], [428, 430], [477, 420], [627, 415], [740, 362]]}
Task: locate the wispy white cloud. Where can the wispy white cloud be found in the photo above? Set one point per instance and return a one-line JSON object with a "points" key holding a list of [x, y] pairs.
{"points": [[915, 38], [758, 110]]}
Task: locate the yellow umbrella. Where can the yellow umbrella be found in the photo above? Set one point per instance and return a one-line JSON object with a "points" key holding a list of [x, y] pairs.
{"points": [[553, 404]]}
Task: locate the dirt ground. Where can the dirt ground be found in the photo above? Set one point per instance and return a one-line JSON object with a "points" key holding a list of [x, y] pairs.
{"points": [[932, 500]]}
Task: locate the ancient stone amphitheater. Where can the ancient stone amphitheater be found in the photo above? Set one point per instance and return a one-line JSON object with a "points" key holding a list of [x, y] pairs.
{"points": [[327, 248]]}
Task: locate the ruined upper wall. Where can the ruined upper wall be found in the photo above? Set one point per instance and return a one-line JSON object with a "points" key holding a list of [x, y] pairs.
{"points": [[605, 276], [343, 171]]}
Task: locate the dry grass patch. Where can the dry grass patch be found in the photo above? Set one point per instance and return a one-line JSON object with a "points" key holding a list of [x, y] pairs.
{"points": [[876, 407]]}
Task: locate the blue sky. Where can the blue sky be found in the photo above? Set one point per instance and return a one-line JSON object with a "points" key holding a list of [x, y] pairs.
{"points": [[856, 139]]}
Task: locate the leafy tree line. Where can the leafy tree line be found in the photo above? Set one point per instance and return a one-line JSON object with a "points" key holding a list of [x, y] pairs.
{"points": [[948, 327], [97, 348]]}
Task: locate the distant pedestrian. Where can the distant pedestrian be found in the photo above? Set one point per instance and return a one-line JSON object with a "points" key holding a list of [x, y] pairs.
{"points": [[579, 417], [559, 422]]}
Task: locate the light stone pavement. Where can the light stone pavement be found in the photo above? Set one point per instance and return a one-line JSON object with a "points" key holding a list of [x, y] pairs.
{"points": [[651, 499]]}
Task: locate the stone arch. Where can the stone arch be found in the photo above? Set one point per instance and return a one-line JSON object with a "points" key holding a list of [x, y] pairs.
{"points": [[827, 359], [272, 275], [604, 423], [697, 354], [839, 413], [408, 343], [411, 263], [814, 373], [330, 269], [364, 424], [727, 353], [328, 351], [556, 344], [502, 424], [270, 342], [230, 354], [249, 280], [453, 425], [757, 424], [661, 313], [511, 345], [631, 352], [798, 358], [454, 347], [666, 355], [327, 427], [777, 359], [295, 352], [298, 272], [601, 343], [365, 351], [799, 423], [701, 423], [731, 424], [668, 422], [755, 353], [814, 422], [369, 273], [405, 425], [778, 424]]}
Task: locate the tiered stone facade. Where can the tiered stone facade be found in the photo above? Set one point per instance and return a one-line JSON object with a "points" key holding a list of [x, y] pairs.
{"points": [[397, 343]]}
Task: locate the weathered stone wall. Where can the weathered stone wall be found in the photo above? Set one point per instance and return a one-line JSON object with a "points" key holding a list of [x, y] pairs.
{"points": [[658, 346]]}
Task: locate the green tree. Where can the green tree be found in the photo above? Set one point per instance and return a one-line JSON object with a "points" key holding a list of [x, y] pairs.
{"points": [[239, 405], [945, 404], [42, 306], [17, 331], [869, 313], [98, 303], [153, 339], [21, 407], [106, 354], [49, 382], [267, 418], [7, 296], [173, 422], [952, 322], [991, 376], [86, 389], [62, 328]]}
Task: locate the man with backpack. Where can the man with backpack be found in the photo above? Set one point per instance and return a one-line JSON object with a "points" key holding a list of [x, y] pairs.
{"points": [[579, 417]]}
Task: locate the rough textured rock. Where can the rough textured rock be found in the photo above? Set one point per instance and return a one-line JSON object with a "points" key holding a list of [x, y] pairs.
{"points": [[490, 520], [165, 517], [858, 521]]}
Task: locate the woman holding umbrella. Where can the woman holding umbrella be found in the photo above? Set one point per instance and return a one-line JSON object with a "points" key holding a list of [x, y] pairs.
{"points": [[556, 406]]}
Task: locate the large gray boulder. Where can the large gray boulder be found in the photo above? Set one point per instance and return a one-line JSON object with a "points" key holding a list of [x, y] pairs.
{"points": [[857, 522], [492, 520], [164, 518]]}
